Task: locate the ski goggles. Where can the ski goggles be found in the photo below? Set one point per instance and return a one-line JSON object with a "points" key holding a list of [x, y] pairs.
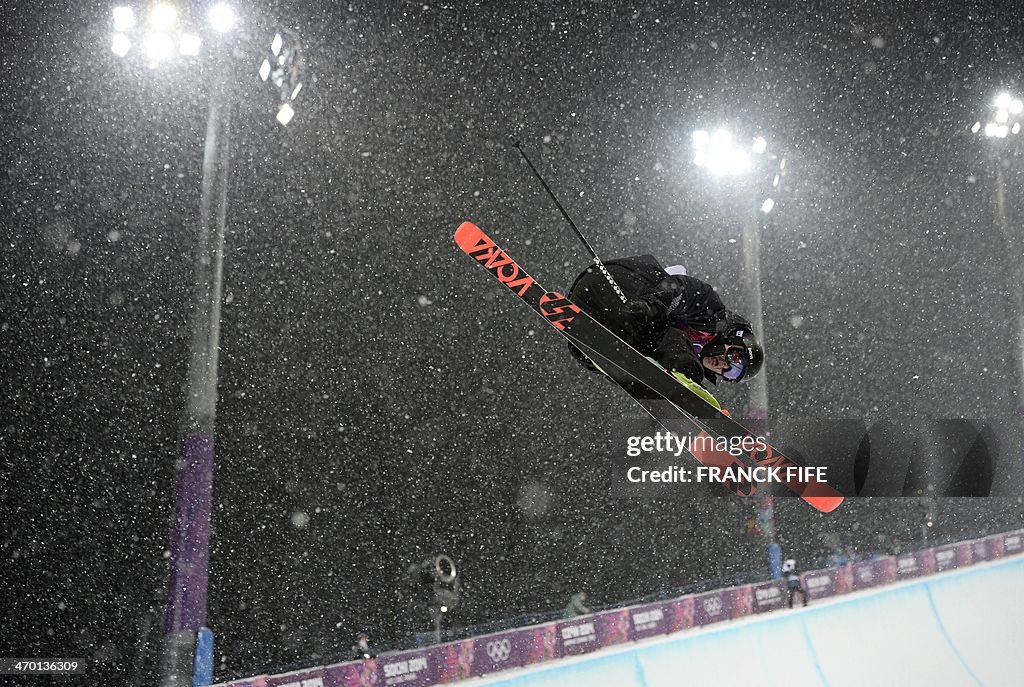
{"points": [[735, 357]]}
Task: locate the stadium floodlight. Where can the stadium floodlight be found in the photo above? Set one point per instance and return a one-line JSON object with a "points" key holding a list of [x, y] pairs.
{"points": [[760, 145], [163, 17], [1003, 119], [190, 44], [222, 18], [124, 19], [120, 44], [158, 47], [285, 114], [295, 91], [265, 70], [767, 206], [717, 153], [276, 44]]}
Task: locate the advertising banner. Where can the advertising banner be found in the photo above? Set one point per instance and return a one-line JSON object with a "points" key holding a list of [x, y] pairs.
{"points": [[649, 620], [909, 565], [712, 607], [417, 668], [493, 652], [742, 602], [681, 614], [1013, 543], [946, 557], [867, 574], [820, 583], [768, 596]]}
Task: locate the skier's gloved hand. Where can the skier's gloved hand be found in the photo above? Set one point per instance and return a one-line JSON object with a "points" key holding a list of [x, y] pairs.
{"points": [[730, 322], [692, 369], [637, 311], [676, 353]]}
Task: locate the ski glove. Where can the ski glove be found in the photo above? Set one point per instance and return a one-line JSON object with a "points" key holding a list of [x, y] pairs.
{"points": [[676, 353]]}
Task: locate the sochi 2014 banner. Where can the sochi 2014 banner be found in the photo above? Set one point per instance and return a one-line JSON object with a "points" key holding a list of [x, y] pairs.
{"points": [[1013, 543], [915, 564], [649, 620], [767, 596], [821, 583]]}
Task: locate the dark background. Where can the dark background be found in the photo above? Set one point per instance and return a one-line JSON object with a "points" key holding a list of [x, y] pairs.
{"points": [[375, 381]]}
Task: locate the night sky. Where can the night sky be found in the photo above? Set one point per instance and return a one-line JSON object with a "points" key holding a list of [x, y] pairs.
{"points": [[381, 398]]}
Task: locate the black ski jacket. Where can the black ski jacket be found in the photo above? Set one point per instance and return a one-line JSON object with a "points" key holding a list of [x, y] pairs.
{"points": [[660, 308]]}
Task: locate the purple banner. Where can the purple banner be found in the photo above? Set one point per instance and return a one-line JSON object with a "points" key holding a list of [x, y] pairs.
{"points": [[821, 583], [953, 556], [887, 569], [867, 574], [946, 557], [742, 601], [712, 607], [491, 653], [414, 668], [995, 545], [844, 579], [649, 620], [681, 614], [910, 565], [768, 596], [361, 674], [543, 643], [577, 636], [980, 550], [613, 627], [190, 538], [580, 635], [457, 658], [1013, 543], [964, 554]]}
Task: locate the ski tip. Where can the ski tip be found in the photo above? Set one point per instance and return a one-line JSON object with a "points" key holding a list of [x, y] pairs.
{"points": [[826, 504], [468, 235]]}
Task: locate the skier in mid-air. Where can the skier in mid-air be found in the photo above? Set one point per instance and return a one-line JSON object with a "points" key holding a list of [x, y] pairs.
{"points": [[674, 318]]}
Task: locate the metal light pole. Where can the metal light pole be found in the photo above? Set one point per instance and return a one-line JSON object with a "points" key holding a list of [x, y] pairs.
{"points": [[757, 407], [161, 40], [1006, 119], [720, 156], [190, 535]]}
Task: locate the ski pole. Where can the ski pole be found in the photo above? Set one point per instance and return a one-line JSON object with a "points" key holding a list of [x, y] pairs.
{"points": [[597, 260]]}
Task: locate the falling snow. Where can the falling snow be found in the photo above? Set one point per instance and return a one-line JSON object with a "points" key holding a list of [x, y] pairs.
{"points": [[380, 399]]}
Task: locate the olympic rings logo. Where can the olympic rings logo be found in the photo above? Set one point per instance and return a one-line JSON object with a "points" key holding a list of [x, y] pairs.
{"points": [[499, 650]]}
